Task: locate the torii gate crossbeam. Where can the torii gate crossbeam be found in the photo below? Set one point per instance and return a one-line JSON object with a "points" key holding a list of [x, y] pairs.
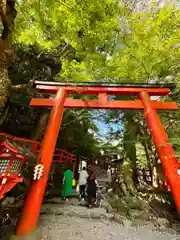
{"points": [[28, 221]]}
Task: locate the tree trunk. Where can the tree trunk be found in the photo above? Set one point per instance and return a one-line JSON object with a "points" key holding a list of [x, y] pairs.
{"points": [[148, 160], [41, 126], [154, 159], [119, 185], [6, 55], [156, 177], [129, 164]]}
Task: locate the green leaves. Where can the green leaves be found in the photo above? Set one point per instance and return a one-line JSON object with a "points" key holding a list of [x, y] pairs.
{"points": [[87, 26], [81, 23], [150, 46], [103, 40], [140, 45], [77, 133]]}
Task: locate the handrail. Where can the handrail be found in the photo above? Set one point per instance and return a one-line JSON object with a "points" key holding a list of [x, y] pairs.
{"points": [[36, 144], [18, 138]]}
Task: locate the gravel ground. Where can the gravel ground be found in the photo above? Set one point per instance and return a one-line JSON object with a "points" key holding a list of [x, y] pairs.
{"points": [[73, 228], [64, 227]]}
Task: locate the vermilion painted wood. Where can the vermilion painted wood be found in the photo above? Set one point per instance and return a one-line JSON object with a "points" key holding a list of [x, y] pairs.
{"points": [[35, 145], [123, 91], [98, 104], [9, 185], [12, 178], [29, 217], [166, 153]]}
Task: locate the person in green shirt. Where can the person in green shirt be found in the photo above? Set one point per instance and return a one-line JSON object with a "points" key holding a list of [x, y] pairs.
{"points": [[67, 183]]}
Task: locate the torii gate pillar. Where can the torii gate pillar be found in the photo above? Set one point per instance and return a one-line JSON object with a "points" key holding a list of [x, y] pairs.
{"points": [[26, 228], [166, 152]]}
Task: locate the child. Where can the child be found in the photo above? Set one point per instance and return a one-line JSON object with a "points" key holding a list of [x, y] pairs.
{"points": [[99, 196]]}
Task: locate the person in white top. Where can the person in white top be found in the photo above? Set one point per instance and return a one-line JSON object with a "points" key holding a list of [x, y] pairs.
{"points": [[82, 182]]}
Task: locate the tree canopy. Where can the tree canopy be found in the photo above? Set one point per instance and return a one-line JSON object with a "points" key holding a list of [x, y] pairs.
{"points": [[76, 31], [103, 39]]}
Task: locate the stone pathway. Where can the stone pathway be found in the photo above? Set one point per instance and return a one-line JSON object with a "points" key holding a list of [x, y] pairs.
{"points": [[72, 222], [74, 228], [74, 210]]}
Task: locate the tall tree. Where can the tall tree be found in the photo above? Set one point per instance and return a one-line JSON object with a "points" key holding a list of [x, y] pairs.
{"points": [[149, 49], [8, 14], [76, 31]]}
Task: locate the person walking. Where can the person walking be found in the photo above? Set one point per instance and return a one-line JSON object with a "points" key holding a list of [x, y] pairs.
{"points": [[67, 184], [82, 182], [90, 170], [99, 196], [91, 190], [58, 179]]}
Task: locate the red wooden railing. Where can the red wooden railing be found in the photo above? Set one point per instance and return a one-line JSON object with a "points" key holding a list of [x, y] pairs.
{"points": [[60, 155], [12, 159]]}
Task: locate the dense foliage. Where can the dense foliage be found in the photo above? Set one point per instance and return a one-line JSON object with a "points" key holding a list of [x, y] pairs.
{"points": [[105, 40]]}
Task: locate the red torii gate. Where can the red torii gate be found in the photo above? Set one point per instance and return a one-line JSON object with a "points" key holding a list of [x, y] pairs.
{"points": [[28, 221]]}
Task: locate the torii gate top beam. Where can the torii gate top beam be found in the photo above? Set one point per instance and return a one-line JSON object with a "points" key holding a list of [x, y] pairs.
{"points": [[104, 84], [102, 90], [110, 89]]}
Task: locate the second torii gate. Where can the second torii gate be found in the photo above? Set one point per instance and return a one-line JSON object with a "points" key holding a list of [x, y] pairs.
{"points": [[28, 221]]}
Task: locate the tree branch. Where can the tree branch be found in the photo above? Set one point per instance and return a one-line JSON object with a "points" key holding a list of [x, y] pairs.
{"points": [[143, 65], [7, 18]]}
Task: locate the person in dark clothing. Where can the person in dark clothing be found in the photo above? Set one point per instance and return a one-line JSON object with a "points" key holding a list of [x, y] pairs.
{"points": [[91, 189], [90, 170], [58, 179]]}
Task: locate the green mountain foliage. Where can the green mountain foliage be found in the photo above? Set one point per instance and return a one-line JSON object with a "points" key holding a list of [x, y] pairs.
{"points": [[106, 40]]}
